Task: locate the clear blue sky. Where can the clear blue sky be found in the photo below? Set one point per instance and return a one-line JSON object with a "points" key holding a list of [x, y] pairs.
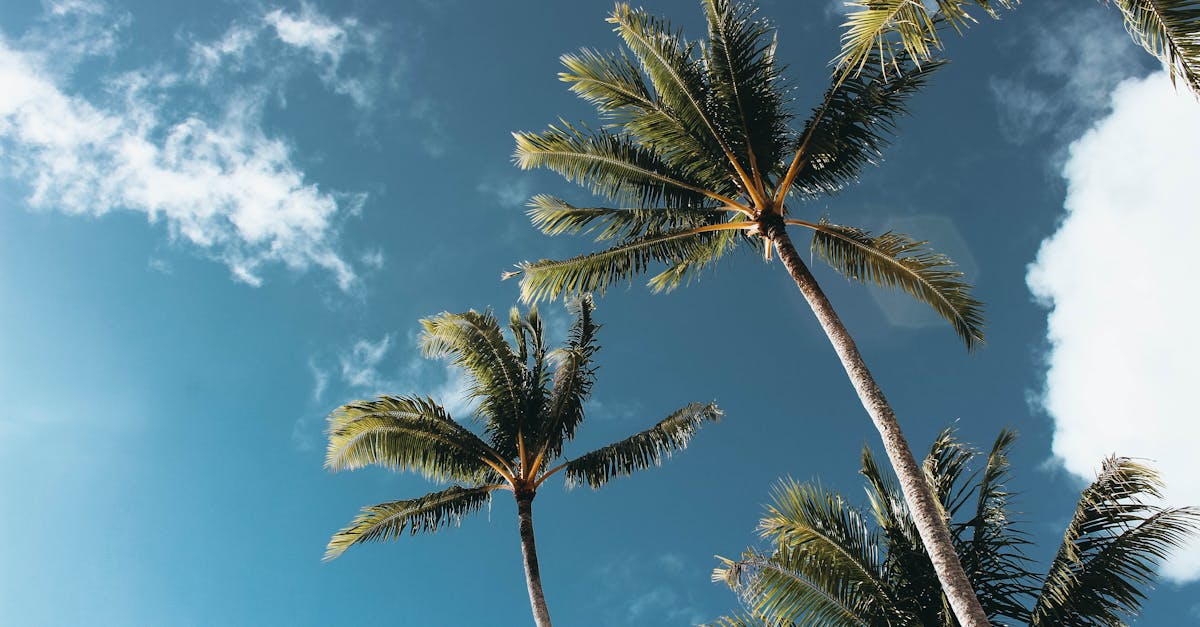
{"points": [[219, 221]]}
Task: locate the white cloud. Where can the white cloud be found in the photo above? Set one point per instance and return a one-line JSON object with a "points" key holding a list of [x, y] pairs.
{"points": [[1119, 275], [310, 30], [360, 366], [218, 183], [509, 192]]}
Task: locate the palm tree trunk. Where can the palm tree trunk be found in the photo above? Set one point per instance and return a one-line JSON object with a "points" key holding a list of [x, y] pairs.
{"points": [[533, 578], [926, 512]]}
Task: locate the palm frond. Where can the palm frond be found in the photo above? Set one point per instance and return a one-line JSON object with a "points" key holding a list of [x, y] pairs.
{"points": [[642, 450], [427, 514], [742, 620], [610, 165], [1111, 548], [854, 123], [475, 342], [678, 81], [1169, 30], [792, 586], [745, 83], [407, 433], [827, 533], [877, 31], [684, 270], [596, 272], [554, 216], [894, 260], [574, 375]]}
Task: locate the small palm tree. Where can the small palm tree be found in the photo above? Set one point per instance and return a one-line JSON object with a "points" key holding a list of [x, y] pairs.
{"points": [[1167, 29], [530, 402], [698, 155], [834, 564]]}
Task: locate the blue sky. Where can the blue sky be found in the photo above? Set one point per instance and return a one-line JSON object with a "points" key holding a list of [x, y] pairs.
{"points": [[220, 221]]}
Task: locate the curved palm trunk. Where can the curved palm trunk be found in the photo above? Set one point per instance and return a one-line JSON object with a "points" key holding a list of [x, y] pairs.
{"points": [[926, 512], [533, 578]]}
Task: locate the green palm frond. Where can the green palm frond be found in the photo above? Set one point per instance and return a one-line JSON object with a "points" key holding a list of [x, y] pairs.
{"points": [[827, 533], [475, 342], [1111, 548], [610, 165], [406, 433], [794, 587], [745, 83], [554, 216], [679, 82], [742, 620], [683, 270], [894, 260], [574, 375], [854, 123], [642, 450], [878, 31], [612, 82], [596, 272], [388, 521], [1169, 30]]}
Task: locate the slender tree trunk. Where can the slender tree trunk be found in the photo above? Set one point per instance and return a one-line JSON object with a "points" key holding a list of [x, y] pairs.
{"points": [[926, 512], [533, 578]]}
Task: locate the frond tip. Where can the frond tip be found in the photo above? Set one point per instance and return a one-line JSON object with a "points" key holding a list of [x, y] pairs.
{"points": [[388, 521], [895, 260]]}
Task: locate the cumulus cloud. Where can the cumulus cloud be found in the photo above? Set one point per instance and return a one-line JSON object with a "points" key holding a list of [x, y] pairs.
{"points": [[1118, 275], [218, 182]]}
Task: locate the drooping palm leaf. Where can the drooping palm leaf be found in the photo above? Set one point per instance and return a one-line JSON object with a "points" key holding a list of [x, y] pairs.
{"points": [[388, 521], [408, 433], [1111, 548], [475, 342], [640, 451], [894, 260], [795, 587], [554, 216], [1169, 30]]}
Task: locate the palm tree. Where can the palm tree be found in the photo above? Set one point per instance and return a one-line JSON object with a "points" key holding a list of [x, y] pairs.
{"points": [[698, 155], [832, 564], [530, 403], [1167, 29]]}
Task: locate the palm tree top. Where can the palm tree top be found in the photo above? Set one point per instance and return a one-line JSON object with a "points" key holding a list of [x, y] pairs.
{"points": [[697, 154], [530, 402]]}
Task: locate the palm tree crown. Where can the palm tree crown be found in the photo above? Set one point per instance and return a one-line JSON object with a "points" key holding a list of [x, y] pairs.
{"points": [[530, 401], [832, 563]]}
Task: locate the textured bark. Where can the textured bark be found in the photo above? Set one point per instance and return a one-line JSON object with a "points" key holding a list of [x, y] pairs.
{"points": [[926, 512], [533, 578]]}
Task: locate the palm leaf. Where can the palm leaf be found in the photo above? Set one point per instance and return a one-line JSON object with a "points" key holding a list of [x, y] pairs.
{"points": [[407, 433], [1111, 548], [878, 31], [745, 83], [1169, 30], [854, 123], [610, 165], [475, 342], [791, 586], [683, 270], [596, 272], [894, 260], [642, 450], [554, 216], [574, 375], [427, 514]]}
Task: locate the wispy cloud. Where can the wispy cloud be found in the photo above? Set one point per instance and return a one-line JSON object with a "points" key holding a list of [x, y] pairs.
{"points": [[1119, 277], [1078, 56], [217, 182]]}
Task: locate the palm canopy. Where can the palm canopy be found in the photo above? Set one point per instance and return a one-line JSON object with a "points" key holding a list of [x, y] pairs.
{"points": [[833, 563], [1167, 29], [697, 154], [530, 404]]}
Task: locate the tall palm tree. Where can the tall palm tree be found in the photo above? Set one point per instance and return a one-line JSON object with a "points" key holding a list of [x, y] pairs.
{"points": [[698, 155], [1167, 29], [834, 564], [530, 403]]}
